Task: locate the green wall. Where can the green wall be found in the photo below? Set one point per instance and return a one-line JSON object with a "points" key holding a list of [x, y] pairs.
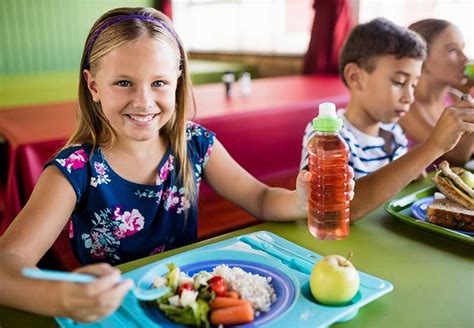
{"points": [[48, 35]]}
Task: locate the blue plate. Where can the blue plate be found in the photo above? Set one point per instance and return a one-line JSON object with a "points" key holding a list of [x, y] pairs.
{"points": [[418, 210], [281, 283]]}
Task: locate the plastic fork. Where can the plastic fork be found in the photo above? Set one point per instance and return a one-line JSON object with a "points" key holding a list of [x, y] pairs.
{"points": [[139, 293]]}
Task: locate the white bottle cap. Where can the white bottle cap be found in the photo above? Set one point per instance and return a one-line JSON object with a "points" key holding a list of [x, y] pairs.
{"points": [[327, 109]]}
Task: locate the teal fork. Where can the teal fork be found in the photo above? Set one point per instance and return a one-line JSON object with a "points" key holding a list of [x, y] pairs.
{"points": [[140, 293]]}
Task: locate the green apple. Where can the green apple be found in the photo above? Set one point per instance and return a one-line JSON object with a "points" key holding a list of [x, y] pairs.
{"points": [[468, 178], [334, 280]]}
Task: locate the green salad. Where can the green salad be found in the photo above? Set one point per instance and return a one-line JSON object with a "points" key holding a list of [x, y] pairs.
{"points": [[188, 302]]}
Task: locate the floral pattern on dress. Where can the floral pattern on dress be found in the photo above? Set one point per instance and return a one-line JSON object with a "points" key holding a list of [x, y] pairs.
{"points": [[208, 154], [174, 199], [74, 161], [193, 129], [103, 231], [165, 170], [102, 176], [198, 167], [108, 229], [147, 193], [197, 174]]}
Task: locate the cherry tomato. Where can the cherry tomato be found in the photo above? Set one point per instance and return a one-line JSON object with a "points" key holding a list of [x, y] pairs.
{"points": [[187, 286], [218, 285]]}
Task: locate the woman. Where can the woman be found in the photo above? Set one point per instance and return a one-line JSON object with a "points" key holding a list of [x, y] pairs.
{"points": [[442, 70]]}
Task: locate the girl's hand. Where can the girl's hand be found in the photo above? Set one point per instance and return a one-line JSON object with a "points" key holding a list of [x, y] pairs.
{"points": [[453, 123], [302, 191], [303, 186], [87, 302]]}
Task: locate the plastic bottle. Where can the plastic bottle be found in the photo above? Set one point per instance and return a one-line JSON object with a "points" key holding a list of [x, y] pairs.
{"points": [[245, 84], [328, 203]]}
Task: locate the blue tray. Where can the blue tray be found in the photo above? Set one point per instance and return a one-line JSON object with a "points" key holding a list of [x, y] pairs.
{"points": [[294, 307]]}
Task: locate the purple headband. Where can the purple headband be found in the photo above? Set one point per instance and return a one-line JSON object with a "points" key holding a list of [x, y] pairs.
{"points": [[120, 19]]}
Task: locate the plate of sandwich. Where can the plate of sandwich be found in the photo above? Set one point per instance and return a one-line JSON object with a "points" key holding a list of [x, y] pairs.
{"points": [[453, 206], [445, 206], [445, 213]]}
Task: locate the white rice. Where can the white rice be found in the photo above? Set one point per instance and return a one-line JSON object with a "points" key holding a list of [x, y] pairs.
{"points": [[251, 287]]}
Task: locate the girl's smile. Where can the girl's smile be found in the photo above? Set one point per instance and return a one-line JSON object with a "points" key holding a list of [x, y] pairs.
{"points": [[142, 120]]}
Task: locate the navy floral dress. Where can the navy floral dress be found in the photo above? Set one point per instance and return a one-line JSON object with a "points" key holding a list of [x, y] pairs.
{"points": [[116, 220]]}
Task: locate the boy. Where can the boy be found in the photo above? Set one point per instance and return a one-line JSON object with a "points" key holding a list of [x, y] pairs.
{"points": [[380, 63]]}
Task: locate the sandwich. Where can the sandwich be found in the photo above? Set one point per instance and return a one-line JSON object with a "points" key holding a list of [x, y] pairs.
{"points": [[456, 211], [446, 213], [450, 183]]}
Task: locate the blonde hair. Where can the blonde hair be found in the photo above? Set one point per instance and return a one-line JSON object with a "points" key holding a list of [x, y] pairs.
{"points": [[109, 33]]}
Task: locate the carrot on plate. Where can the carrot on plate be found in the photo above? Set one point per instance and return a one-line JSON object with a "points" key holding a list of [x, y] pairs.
{"points": [[232, 294], [233, 315], [222, 302]]}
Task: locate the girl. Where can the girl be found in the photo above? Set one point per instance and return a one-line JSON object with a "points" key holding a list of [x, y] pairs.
{"points": [[442, 69], [129, 178]]}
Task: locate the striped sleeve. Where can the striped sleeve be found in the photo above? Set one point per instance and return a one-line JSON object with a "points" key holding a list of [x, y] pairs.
{"points": [[401, 142], [308, 134]]}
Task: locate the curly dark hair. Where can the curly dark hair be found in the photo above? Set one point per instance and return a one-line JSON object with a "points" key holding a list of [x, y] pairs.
{"points": [[379, 37]]}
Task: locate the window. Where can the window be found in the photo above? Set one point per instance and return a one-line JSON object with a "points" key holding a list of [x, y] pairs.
{"points": [[244, 26], [405, 12]]}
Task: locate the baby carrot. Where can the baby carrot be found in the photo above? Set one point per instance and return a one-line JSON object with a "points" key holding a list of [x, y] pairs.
{"points": [[232, 315], [232, 294], [222, 302]]}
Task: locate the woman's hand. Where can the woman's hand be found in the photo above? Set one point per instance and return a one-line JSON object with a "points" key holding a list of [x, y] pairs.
{"points": [[303, 187], [87, 302]]}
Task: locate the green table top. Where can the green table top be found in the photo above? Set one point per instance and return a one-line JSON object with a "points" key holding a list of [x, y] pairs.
{"points": [[54, 87], [433, 276]]}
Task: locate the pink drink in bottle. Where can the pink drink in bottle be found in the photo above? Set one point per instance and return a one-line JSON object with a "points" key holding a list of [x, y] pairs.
{"points": [[328, 203]]}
